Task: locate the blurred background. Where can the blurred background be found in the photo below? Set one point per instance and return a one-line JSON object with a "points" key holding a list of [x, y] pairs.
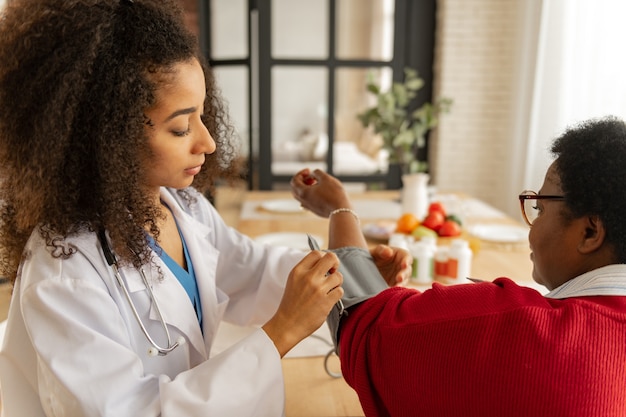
{"points": [[518, 71]]}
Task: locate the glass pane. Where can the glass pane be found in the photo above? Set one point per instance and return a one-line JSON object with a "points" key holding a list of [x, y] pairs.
{"points": [[357, 150], [300, 29], [299, 137], [229, 29], [365, 29], [233, 81]]}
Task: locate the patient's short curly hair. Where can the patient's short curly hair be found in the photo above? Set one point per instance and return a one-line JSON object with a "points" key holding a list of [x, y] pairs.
{"points": [[591, 164], [75, 79]]}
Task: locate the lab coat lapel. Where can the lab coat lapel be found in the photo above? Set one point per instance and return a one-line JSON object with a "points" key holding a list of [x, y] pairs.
{"points": [[173, 301], [204, 257]]}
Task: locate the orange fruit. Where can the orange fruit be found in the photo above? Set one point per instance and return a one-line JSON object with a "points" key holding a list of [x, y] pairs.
{"points": [[407, 223]]}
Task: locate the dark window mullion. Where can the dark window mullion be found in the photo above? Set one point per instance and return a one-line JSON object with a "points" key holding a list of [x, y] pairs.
{"points": [[252, 97], [204, 34], [265, 95], [331, 68]]}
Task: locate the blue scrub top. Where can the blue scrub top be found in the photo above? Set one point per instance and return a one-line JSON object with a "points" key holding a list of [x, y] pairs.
{"points": [[187, 278]]}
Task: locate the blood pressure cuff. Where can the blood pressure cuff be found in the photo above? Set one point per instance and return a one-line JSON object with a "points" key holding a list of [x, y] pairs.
{"points": [[361, 281]]}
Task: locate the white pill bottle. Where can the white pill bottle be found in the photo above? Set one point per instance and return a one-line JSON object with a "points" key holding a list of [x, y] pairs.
{"points": [[459, 261], [423, 262]]}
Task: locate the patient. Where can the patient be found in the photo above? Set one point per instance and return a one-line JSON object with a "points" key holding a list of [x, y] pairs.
{"points": [[495, 348]]}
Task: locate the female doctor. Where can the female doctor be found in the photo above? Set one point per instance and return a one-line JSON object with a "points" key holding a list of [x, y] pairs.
{"points": [[111, 131]]}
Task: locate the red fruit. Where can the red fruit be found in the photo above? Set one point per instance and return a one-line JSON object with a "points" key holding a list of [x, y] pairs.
{"points": [[449, 228], [434, 220], [437, 206]]}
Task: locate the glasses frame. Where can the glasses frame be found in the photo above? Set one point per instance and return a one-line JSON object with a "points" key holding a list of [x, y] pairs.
{"points": [[532, 195]]}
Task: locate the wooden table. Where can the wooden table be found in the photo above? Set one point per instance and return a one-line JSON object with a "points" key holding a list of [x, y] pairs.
{"points": [[309, 390]]}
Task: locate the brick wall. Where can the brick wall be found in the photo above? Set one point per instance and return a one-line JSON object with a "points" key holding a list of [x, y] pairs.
{"points": [[191, 14], [476, 66]]}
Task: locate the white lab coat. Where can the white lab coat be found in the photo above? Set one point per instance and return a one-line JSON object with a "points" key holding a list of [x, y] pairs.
{"points": [[73, 348]]}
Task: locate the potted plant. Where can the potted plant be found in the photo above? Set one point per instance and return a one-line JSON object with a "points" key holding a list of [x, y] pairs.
{"points": [[404, 131]]}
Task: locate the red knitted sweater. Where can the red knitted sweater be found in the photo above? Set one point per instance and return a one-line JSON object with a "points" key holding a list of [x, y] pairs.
{"points": [[489, 349]]}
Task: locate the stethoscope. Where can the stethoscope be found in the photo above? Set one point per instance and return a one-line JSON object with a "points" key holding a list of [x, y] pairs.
{"points": [[155, 349]]}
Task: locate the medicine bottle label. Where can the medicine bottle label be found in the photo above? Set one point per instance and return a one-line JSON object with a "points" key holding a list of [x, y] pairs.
{"points": [[441, 268], [453, 268]]}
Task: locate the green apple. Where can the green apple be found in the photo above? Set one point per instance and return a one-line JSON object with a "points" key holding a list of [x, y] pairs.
{"points": [[423, 231]]}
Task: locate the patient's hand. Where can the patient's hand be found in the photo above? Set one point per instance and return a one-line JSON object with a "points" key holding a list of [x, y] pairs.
{"points": [[319, 192], [394, 264]]}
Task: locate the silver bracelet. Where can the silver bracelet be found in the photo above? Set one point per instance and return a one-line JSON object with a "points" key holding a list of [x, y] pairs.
{"points": [[345, 210]]}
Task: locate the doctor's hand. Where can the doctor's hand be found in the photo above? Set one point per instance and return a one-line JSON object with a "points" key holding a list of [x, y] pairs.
{"points": [[313, 287]]}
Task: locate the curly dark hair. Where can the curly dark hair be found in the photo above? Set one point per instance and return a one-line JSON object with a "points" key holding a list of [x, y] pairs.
{"points": [[75, 79], [590, 161]]}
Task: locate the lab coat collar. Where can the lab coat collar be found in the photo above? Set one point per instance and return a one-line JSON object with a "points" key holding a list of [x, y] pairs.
{"points": [[204, 256], [172, 297]]}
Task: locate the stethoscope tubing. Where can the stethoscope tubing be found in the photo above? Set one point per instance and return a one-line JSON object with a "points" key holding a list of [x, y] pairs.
{"points": [[155, 349]]}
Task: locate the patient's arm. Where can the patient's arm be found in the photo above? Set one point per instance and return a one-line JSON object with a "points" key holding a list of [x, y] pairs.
{"points": [[323, 195]]}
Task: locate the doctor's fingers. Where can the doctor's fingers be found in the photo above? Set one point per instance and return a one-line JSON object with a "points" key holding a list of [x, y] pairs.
{"points": [[335, 293], [318, 272], [332, 277], [319, 262], [333, 282]]}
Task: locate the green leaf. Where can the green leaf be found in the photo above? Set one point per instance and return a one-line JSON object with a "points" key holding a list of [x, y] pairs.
{"points": [[455, 219], [404, 138], [414, 166], [373, 88], [403, 132], [410, 73], [415, 84]]}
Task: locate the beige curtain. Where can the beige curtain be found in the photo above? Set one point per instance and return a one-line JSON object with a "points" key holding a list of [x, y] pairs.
{"points": [[574, 66]]}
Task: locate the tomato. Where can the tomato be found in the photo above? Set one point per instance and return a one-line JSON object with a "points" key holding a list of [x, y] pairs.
{"points": [[434, 220], [449, 228], [437, 206], [407, 223]]}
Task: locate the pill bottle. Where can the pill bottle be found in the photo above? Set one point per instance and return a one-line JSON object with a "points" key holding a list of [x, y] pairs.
{"points": [[431, 241], [423, 262], [459, 261], [400, 240], [441, 263]]}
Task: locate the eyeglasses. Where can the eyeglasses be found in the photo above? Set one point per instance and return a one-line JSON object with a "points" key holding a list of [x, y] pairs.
{"points": [[528, 204]]}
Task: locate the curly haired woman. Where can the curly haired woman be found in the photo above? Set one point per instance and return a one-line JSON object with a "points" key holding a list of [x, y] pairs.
{"points": [[111, 130]]}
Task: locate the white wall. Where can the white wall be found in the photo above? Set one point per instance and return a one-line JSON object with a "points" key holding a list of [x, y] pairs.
{"points": [[520, 72]]}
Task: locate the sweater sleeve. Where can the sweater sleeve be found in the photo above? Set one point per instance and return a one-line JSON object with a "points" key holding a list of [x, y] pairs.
{"points": [[487, 349]]}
